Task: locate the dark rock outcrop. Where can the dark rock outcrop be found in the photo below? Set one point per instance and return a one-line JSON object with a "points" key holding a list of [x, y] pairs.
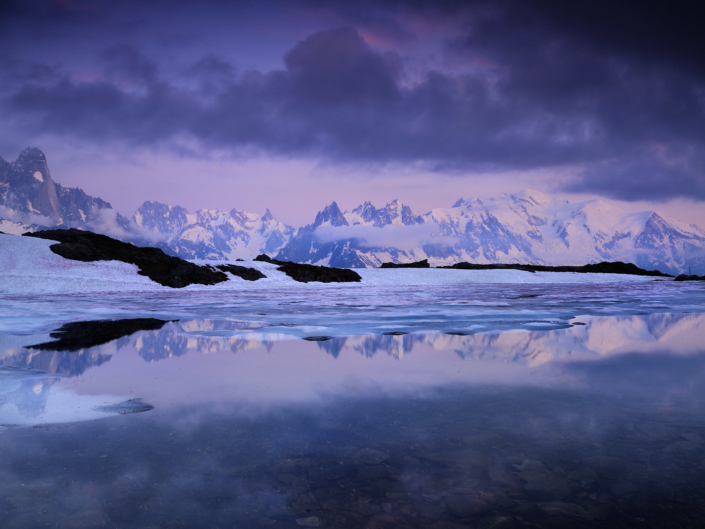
{"points": [[306, 273], [83, 334], [685, 277], [417, 264], [248, 274], [617, 267], [168, 271], [264, 258]]}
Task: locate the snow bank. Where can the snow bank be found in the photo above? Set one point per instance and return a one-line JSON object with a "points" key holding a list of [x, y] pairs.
{"points": [[28, 266]]}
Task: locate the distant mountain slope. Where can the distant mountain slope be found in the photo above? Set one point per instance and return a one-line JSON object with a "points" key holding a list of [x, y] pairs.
{"points": [[527, 227], [211, 234]]}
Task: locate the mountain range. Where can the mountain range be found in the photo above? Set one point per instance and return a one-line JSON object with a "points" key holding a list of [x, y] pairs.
{"points": [[526, 227]]}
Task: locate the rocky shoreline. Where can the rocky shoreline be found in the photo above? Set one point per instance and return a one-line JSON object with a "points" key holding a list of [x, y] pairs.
{"points": [[168, 271], [685, 277], [174, 272], [306, 273], [617, 267], [416, 264]]}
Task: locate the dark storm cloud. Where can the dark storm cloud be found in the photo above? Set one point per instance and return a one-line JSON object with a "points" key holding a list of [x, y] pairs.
{"points": [[336, 67], [618, 90]]}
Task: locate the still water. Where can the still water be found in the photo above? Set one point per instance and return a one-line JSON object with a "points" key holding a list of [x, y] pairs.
{"points": [[511, 407]]}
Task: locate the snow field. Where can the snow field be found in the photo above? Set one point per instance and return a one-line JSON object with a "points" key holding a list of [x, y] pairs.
{"points": [[28, 266]]}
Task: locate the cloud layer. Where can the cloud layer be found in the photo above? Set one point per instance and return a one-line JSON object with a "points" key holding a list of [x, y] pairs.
{"points": [[614, 92]]}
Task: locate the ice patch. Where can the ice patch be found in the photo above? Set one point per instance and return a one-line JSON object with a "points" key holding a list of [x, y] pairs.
{"points": [[30, 398], [38, 176]]}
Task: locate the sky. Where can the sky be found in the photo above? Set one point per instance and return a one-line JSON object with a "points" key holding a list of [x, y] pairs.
{"points": [[291, 105]]}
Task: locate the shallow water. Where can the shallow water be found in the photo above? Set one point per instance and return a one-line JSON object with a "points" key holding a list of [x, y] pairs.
{"points": [[517, 406]]}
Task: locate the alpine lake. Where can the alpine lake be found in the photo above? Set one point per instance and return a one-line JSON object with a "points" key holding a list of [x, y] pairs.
{"points": [[476, 406]]}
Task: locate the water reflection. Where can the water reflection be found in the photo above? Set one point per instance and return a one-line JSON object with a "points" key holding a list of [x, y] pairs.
{"points": [[457, 458], [585, 337], [33, 398], [599, 424]]}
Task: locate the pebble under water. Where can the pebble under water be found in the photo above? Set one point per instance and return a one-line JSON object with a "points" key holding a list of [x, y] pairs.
{"points": [[595, 419]]}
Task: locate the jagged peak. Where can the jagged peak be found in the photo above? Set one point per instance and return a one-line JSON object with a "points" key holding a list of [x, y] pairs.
{"points": [[363, 207], [331, 213], [267, 215], [32, 153], [151, 204], [332, 207]]}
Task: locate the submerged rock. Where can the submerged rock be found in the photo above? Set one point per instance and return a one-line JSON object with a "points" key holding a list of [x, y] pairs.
{"points": [[543, 483], [168, 271], [129, 406], [310, 521], [370, 457], [83, 334]]}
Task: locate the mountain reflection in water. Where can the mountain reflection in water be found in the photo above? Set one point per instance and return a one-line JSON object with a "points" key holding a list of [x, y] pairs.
{"points": [[594, 425], [586, 337]]}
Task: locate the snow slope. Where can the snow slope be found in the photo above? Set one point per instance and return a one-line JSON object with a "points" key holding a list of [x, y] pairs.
{"points": [[30, 267]]}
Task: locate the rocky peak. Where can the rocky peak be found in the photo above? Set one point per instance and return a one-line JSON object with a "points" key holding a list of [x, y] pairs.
{"points": [[393, 212], [160, 218], [267, 216], [366, 212], [30, 188], [331, 214]]}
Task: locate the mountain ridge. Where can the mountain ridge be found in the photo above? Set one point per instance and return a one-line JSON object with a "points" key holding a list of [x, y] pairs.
{"points": [[528, 227]]}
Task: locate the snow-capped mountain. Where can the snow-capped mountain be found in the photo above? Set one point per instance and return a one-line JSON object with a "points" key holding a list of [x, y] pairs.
{"points": [[28, 195], [336, 238], [527, 227], [211, 234], [394, 213]]}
